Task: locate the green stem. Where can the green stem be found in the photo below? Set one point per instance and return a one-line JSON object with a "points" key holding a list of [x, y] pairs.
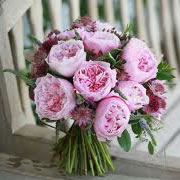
{"points": [[84, 152], [94, 156]]}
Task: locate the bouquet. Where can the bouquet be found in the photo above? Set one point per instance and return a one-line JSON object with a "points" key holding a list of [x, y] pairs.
{"points": [[105, 81]]}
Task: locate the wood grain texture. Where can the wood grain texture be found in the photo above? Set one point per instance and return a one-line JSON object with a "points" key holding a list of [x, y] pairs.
{"points": [[10, 95], [141, 21], [35, 17], [124, 12], [16, 36], [153, 28], [93, 9], [109, 11], [168, 35], [14, 10], [55, 8], [74, 8]]}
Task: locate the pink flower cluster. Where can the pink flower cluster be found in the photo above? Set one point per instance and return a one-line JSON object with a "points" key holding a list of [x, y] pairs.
{"points": [[110, 93]]}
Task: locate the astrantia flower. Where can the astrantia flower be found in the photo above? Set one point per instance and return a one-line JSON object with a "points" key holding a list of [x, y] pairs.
{"points": [[39, 66], [135, 94], [85, 22], [83, 116], [157, 99], [54, 98], [94, 80], [112, 116], [101, 42], [66, 57], [141, 64], [52, 39]]}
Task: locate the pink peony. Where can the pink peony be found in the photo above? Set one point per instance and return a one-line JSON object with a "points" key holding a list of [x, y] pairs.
{"points": [[94, 80], [66, 57], [53, 98], [157, 99], [112, 116], [101, 42], [141, 64], [83, 116], [135, 94]]}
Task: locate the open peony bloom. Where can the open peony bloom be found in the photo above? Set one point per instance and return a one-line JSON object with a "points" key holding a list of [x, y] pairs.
{"points": [[157, 99], [135, 94], [101, 42], [112, 117], [66, 57], [83, 116], [141, 64], [54, 98], [94, 80]]}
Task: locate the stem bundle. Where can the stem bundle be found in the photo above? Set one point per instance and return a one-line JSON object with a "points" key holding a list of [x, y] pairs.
{"points": [[80, 153]]}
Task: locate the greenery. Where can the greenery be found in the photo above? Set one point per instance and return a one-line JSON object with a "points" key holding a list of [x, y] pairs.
{"points": [[125, 141], [165, 71]]}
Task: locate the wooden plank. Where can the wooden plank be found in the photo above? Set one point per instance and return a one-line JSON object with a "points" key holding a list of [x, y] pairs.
{"points": [[55, 8], [74, 8], [17, 46], [141, 21], [109, 11], [168, 35], [92, 9], [10, 96], [176, 16], [153, 28], [35, 17], [13, 10], [124, 13]]}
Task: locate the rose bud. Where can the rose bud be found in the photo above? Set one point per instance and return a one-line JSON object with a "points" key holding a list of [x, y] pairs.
{"points": [[135, 94], [66, 57], [141, 64], [54, 98], [157, 99], [101, 42], [94, 80], [112, 117]]}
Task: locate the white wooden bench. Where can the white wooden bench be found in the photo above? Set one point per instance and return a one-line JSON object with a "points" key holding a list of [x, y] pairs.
{"points": [[19, 135]]}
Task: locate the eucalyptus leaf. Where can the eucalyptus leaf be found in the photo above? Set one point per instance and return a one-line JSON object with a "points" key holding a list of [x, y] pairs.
{"points": [[136, 128], [125, 141]]}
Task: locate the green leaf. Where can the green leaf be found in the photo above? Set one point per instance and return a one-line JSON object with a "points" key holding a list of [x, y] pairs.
{"points": [[150, 148], [120, 93], [133, 121], [125, 141], [77, 37], [22, 76], [129, 29], [136, 128], [165, 71], [140, 116], [35, 40]]}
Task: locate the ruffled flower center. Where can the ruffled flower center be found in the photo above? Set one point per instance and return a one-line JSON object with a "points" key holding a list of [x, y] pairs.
{"points": [[114, 118], [67, 49], [52, 97], [145, 63], [94, 77]]}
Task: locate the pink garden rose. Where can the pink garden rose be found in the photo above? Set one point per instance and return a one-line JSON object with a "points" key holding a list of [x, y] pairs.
{"points": [[101, 42], [112, 117], [94, 80], [54, 98], [157, 99], [67, 35], [141, 64], [66, 57], [135, 94]]}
